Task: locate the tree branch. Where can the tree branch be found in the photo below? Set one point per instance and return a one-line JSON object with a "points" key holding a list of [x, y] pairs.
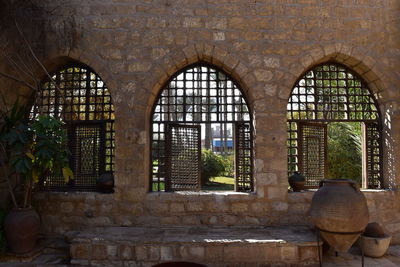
{"points": [[11, 77]]}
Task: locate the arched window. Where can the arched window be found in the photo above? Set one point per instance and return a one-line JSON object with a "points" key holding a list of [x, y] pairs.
{"points": [[334, 127], [200, 108], [81, 99]]}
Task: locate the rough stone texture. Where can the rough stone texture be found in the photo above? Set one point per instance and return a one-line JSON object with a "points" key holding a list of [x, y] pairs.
{"points": [[219, 246], [136, 45]]}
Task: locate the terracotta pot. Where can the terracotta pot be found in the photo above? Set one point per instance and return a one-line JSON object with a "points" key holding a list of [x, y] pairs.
{"points": [[374, 246], [373, 229], [105, 183], [297, 186], [21, 227], [339, 209], [297, 181]]}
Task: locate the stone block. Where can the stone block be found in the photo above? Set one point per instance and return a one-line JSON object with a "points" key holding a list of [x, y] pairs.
{"points": [[263, 75], [192, 22], [141, 253], [112, 251], [289, 253], [126, 252], [81, 251], [166, 253], [277, 193], [240, 207], [308, 253], [99, 252], [194, 206]]}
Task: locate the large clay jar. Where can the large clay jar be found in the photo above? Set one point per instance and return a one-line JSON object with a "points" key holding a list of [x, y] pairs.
{"points": [[339, 209], [21, 227]]}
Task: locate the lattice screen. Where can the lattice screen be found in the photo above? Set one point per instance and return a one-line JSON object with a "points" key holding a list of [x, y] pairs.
{"points": [[332, 93], [243, 156], [374, 159], [183, 157], [82, 99], [312, 152], [201, 95]]}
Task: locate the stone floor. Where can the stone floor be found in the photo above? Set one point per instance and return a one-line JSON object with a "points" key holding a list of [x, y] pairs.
{"points": [[353, 259]]}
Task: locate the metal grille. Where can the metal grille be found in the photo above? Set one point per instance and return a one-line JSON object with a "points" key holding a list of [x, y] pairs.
{"points": [[199, 94], [243, 156], [373, 152], [183, 157], [332, 93], [312, 152], [83, 98]]}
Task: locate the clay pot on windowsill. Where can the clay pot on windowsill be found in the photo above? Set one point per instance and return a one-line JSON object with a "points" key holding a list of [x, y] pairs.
{"points": [[105, 183], [21, 227], [297, 181]]}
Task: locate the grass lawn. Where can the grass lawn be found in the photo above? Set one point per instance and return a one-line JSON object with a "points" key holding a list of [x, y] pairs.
{"points": [[220, 183]]}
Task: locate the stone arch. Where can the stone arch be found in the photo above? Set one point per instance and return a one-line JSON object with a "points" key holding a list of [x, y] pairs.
{"points": [[181, 58], [54, 62], [209, 54], [84, 102], [365, 68], [245, 130], [306, 117]]}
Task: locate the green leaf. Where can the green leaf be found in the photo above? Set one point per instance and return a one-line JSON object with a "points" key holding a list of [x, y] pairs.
{"points": [[67, 174]]}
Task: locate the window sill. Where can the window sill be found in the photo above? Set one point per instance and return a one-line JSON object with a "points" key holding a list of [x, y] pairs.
{"points": [[362, 190], [200, 194]]}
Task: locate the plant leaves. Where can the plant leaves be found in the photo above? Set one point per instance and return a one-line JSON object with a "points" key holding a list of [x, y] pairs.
{"points": [[67, 174]]}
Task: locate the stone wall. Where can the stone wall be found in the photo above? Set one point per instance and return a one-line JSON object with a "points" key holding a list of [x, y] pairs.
{"points": [[63, 212], [135, 47]]}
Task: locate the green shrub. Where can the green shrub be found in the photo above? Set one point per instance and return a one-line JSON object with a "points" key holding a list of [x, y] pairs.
{"points": [[211, 165], [229, 166], [344, 151]]}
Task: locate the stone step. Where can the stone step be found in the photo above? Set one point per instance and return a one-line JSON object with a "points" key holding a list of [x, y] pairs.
{"points": [[211, 246]]}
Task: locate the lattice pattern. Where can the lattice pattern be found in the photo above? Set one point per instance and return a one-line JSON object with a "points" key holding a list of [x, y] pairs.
{"points": [[184, 157], [312, 152], [83, 98], [374, 159], [197, 95], [332, 93], [243, 157]]}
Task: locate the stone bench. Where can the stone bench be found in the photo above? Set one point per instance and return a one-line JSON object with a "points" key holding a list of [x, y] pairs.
{"points": [[211, 246]]}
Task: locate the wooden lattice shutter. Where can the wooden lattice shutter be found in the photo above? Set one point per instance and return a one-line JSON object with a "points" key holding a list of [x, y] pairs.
{"points": [[372, 137], [313, 152], [87, 148], [183, 157], [243, 156]]}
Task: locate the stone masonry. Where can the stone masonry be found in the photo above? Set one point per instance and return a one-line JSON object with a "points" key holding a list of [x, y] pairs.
{"points": [[265, 45]]}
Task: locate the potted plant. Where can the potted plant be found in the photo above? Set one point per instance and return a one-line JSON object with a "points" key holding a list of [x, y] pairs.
{"points": [[29, 149], [296, 181]]}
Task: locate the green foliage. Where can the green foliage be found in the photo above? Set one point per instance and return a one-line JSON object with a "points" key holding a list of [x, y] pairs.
{"points": [[38, 148], [344, 151], [211, 165], [32, 148], [229, 166], [49, 151]]}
